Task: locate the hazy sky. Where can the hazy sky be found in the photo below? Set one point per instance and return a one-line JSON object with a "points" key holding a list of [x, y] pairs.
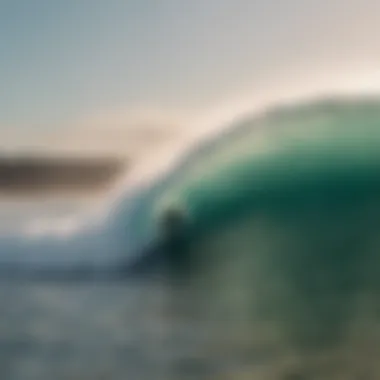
{"points": [[67, 63]]}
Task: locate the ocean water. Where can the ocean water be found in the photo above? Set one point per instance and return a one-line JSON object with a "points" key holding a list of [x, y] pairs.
{"points": [[281, 226], [88, 329], [92, 331]]}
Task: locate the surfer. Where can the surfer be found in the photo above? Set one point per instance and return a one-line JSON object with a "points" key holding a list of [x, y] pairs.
{"points": [[169, 253], [174, 245]]}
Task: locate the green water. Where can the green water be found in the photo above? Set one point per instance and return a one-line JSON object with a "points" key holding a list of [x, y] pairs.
{"points": [[284, 228], [280, 254]]}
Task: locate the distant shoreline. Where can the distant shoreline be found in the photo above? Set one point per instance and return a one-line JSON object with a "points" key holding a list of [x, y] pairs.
{"points": [[35, 176]]}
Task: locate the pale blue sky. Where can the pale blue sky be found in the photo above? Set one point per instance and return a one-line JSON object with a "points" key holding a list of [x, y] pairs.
{"points": [[64, 59]]}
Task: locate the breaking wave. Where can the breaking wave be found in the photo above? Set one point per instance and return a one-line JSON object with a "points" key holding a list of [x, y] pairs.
{"points": [[253, 161]]}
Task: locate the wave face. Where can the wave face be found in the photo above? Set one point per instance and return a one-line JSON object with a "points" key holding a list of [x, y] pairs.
{"points": [[264, 161], [318, 146], [283, 214], [282, 224]]}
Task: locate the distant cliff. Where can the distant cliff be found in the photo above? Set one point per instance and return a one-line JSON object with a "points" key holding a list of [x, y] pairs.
{"points": [[37, 175]]}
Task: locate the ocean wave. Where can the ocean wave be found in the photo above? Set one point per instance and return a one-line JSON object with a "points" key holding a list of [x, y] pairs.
{"points": [[273, 152]]}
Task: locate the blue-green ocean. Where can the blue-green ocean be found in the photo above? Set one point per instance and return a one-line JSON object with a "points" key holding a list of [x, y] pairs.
{"points": [[281, 218]]}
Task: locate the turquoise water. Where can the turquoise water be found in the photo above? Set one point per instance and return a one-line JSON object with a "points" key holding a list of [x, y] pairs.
{"points": [[281, 220], [283, 223]]}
